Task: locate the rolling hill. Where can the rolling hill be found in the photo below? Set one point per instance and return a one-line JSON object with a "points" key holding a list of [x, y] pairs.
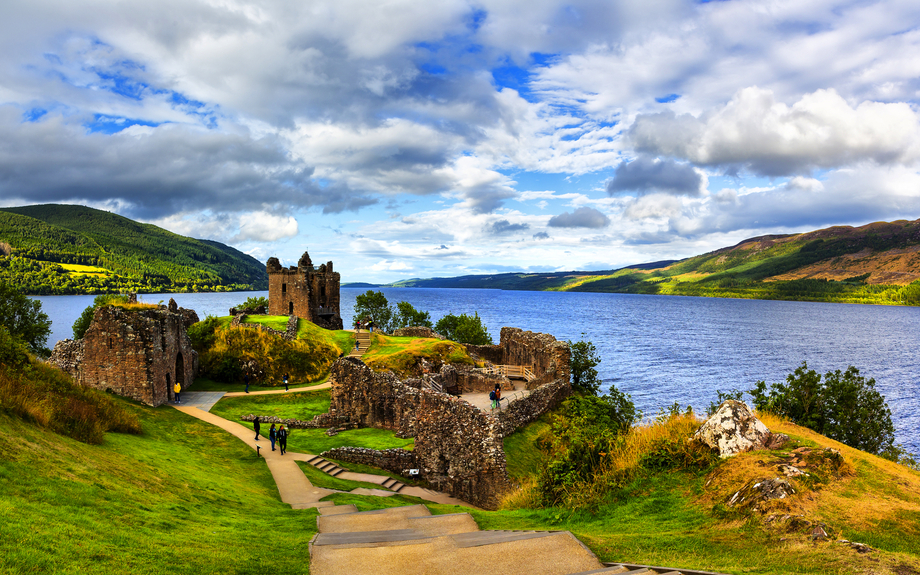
{"points": [[877, 263], [65, 249]]}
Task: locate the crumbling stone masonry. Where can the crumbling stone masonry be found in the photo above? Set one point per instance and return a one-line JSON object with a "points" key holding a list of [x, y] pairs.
{"points": [[550, 359], [138, 354], [458, 447], [304, 291]]}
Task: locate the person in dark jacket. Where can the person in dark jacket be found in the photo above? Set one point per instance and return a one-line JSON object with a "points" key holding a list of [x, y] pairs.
{"points": [[272, 435], [255, 425], [282, 439], [286, 378], [246, 379]]}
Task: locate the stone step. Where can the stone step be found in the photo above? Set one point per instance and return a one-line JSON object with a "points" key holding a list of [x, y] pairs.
{"points": [[368, 538], [557, 553], [311, 505], [480, 538], [377, 520], [339, 509]]}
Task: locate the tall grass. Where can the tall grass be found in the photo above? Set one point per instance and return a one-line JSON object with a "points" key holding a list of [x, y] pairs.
{"points": [[49, 398]]}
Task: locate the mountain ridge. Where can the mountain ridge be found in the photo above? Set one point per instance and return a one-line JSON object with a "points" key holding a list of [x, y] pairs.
{"points": [[68, 249]]}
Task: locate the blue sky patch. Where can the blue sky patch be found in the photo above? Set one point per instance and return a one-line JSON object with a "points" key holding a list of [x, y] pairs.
{"points": [[106, 124], [667, 99]]}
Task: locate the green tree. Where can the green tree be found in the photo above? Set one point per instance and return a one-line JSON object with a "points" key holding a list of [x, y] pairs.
{"points": [[584, 360], [408, 316], [253, 302], [373, 305], [86, 318], [464, 329], [845, 406], [24, 319]]}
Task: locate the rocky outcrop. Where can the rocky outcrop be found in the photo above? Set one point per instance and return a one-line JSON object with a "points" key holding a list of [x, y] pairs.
{"points": [[753, 495], [67, 355], [733, 429]]}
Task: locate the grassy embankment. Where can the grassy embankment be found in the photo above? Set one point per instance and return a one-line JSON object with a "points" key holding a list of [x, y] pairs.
{"points": [[403, 355]]}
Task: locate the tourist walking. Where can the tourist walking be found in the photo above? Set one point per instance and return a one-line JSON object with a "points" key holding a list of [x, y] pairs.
{"points": [[246, 380], [255, 425], [282, 439], [286, 377], [272, 435], [496, 397], [176, 389]]}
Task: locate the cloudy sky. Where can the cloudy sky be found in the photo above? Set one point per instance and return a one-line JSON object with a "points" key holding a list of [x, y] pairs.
{"points": [[421, 138]]}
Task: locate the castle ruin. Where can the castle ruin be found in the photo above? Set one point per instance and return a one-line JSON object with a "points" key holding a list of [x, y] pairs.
{"points": [[135, 353], [304, 291]]}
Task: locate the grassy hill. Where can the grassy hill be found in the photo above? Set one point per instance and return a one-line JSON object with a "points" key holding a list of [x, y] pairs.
{"points": [[63, 249], [878, 263]]}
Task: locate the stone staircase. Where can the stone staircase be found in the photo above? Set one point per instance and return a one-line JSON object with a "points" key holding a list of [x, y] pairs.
{"points": [[364, 341], [410, 541], [334, 470]]}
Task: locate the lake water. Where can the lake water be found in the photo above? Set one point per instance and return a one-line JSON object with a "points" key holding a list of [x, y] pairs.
{"points": [[662, 349]]}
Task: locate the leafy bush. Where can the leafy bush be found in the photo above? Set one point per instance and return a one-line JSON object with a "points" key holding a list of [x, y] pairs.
{"points": [[586, 429], [464, 329], [201, 334], [254, 302], [845, 406], [86, 318], [48, 397], [233, 346], [24, 319]]}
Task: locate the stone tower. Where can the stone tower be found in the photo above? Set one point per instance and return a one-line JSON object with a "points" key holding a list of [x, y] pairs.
{"points": [[304, 291]]}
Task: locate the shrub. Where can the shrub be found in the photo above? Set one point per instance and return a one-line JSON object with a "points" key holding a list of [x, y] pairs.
{"points": [[201, 334], [408, 316], [845, 406], [234, 346], [254, 303]]}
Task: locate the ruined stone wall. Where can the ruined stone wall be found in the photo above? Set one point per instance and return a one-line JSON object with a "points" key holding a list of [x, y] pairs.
{"points": [[290, 333], [467, 380], [67, 355], [522, 411], [398, 461], [372, 399], [138, 354], [417, 331], [550, 359], [458, 450], [305, 291]]}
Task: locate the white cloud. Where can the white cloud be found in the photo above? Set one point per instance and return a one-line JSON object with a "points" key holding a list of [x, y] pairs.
{"points": [[753, 130]]}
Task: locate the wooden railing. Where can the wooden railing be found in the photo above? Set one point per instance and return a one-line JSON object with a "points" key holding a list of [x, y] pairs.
{"points": [[511, 371]]}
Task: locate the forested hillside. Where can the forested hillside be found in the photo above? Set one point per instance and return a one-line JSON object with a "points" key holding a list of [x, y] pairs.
{"points": [[62, 249], [877, 263]]}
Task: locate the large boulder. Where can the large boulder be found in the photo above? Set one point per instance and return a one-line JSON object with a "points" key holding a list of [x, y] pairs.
{"points": [[734, 429]]}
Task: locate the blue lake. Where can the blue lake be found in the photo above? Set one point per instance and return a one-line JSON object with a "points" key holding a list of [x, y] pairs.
{"points": [[662, 349]]}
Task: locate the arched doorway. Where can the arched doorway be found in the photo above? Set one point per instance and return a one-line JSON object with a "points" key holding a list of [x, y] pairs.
{"points": [[180, 370], [290, 308]]}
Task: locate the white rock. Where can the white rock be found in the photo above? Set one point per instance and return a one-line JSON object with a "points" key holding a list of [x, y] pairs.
{"points": [[733, 429]]}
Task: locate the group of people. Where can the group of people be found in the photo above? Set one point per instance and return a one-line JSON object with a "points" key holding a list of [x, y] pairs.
{"points": [[496, 397], [367, 324], [280, 435]]}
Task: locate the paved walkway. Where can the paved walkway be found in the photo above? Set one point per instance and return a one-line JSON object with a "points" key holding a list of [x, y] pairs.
{"points": [[326, 385]]}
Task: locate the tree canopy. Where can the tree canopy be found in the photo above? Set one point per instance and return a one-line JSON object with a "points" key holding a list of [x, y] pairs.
{"points": [[24, 319], [464, 328], [845, 406]]}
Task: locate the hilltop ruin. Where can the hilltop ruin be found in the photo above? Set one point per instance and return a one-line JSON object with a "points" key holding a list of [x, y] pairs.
{"points": [[304, 291]]}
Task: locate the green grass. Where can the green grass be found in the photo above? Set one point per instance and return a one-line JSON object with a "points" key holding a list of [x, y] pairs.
{"points": [[326, 481], [205, 384], [304, 406], [276, 322], [184, 497], [522, 456], [402, 354]]}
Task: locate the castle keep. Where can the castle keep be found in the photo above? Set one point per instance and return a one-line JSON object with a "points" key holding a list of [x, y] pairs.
{"points": [[304, 291]]}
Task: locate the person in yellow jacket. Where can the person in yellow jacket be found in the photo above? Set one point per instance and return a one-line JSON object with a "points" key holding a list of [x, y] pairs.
{"points": [[176, 389]]}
